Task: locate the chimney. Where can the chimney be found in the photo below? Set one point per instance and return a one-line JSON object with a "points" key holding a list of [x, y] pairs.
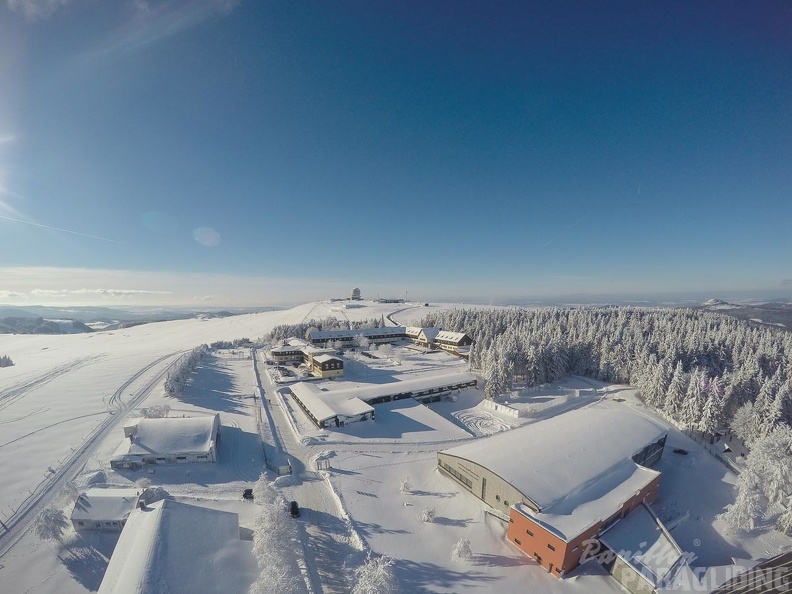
{"points": [[142, 504]]}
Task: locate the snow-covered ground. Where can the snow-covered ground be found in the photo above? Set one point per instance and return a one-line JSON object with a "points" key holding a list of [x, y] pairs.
{"points": [[62, 404]]}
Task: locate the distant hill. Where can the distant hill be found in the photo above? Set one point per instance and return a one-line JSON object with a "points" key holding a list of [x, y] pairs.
{"points": [[41, 319], [771, 313], [31, 325]]}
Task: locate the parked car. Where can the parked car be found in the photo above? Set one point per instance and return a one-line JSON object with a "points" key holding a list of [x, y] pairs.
{"points": [[294, 510]]}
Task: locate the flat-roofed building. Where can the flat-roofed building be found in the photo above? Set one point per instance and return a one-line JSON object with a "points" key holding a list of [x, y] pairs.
{"points": [[326, 411], [562, 481], [323, 404], [347, 337]]}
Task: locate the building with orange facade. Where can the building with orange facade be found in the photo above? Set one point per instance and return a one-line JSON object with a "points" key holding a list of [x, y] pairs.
{"points": [[564, 481]]}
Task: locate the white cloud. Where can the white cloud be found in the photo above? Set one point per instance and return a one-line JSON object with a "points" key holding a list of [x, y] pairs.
{"points": [[75, 286], [151, 22], [107, 293], [10, 295], [35, 9]]}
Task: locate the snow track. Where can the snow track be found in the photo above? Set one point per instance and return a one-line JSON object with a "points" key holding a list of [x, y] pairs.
{"points": [[18, 392], [48, 490], [480, 422]]}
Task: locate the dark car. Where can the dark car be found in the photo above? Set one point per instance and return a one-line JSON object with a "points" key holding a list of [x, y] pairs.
{"points": [[294, 510]]}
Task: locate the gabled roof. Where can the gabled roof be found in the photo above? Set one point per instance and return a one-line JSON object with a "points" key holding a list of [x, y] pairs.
{"points": [[326, 358], [454, 337], [98, 504], [416, 332], [175, 547]]}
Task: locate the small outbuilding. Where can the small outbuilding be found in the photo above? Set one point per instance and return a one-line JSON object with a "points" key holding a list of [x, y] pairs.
{"points": [[104, 509]]}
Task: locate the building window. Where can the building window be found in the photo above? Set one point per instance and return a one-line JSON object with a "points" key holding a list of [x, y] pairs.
{"points": [[517, 540], [551, 547], [464, 480], [558, 570], [537, 557], [529, 533], [576, 548]]}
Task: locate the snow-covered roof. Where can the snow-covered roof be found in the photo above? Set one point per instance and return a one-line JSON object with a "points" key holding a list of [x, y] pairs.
{"points": [[418, 384], [450, 336], [175, 547], [571, 516], [98, 504], [351, 400], [171, 435], [313, 350], [367, 332], [326, 358], [559, 458], [415, 332], [286, 348], [640, 540], [324, 408]]}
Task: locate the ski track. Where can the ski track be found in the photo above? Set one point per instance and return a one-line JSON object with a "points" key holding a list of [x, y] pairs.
{"points": [[46, 492], [18, 392]]}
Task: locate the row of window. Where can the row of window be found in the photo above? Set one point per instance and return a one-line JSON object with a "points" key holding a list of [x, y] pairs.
{"points": [[462, 479], [99, 524]]}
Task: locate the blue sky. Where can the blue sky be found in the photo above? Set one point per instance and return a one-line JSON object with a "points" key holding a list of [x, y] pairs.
{"points": [[258, 153]]}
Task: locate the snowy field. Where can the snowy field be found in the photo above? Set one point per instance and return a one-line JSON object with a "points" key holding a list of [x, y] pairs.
{"points": [[63, 403]]}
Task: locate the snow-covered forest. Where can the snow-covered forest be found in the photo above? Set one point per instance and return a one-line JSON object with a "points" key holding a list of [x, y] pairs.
{"points": [[703, 370], [300, 330], [179, 375]]}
